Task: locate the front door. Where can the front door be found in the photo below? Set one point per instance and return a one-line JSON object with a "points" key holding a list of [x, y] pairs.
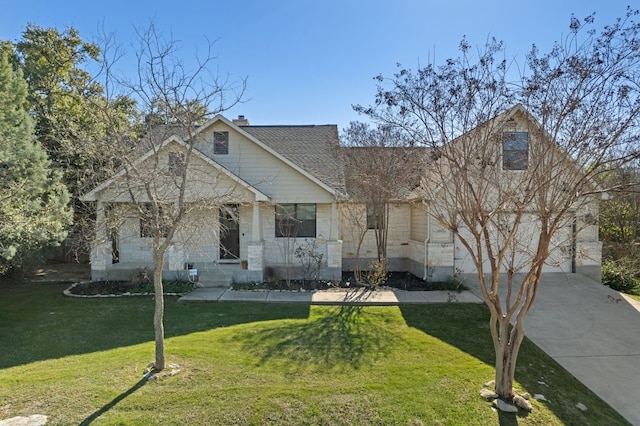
{"points": [[229, 232]]}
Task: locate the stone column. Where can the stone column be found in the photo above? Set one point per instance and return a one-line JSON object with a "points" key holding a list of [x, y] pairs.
{"points": [[334, 259], [589, 259], [255, 250], [176, 258], [101, 248], [256, 228], [335, 222]]}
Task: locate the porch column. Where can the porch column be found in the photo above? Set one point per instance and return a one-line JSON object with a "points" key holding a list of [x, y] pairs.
{"points": [[334, 246], [333, 235], [101, 247], [256, 229], [176, 258], [255, 250]]}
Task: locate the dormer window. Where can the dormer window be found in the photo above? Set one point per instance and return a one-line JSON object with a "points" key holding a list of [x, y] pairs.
{"points": [[515, 150], [221, 143]]}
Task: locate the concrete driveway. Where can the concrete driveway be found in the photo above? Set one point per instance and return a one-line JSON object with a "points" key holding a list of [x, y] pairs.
{"points": [[594, 338]]}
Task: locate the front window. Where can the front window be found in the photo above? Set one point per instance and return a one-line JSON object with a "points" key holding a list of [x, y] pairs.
{"points": [[515, 150], [220, 142], [375, 216], [296, 220]]}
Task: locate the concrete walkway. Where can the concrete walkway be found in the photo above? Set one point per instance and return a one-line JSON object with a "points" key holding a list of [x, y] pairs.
{"points": [[330, 297], [593, 337]]}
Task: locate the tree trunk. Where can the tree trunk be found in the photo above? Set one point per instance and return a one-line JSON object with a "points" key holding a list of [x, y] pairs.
{"points": [[506, 358], [158, 313]]}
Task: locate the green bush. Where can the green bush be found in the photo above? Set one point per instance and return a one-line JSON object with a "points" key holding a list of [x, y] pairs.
{"points": [[620, 277]]}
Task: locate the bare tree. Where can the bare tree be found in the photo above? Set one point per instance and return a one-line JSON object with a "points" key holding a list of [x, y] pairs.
{"points": [[163, 183], [355, 224], [287, 228], [514, 164], [380, 169]]}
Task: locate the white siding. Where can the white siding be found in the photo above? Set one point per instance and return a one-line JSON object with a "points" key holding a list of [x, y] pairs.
{"points": [[262, 169], [525, 244], [419, 223]]}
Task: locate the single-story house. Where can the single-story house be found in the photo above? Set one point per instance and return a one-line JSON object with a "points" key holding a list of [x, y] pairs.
{"points": [[275, 193]]}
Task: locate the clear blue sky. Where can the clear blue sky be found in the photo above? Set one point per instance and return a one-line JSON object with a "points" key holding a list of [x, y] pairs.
{"points": [[308, 61]]}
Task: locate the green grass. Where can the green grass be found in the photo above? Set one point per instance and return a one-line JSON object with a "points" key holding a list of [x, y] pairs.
{"points": [[634, 296], [80, 361]]}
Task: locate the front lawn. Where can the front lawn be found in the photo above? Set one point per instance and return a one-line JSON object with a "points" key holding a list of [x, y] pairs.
{"points": [[80, 361]]}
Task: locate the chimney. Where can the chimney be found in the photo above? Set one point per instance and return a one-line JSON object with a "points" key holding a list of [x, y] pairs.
{"points": [[241, 121]]}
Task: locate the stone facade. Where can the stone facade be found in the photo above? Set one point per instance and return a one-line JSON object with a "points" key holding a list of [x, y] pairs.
{"points": [[268, 166]]}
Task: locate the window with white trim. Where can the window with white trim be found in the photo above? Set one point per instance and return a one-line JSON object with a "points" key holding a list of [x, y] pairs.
{"points": [[296, 220], [515, 150], [221, 143]]}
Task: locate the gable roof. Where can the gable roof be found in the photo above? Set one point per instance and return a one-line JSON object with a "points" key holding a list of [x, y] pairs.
{"points": [[93, 194], [313, 148], [482, 132]]}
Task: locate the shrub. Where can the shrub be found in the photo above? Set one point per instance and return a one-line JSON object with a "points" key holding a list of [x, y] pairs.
{"points": [[310, 260], [377, 275], [176, 286], [620, 277]]}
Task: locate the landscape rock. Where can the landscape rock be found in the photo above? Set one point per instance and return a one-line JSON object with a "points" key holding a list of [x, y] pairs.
{"points": [[581, 406], [490, 384], [34, 420], [488, 394], [152, 375], [522, 402], [505, 407], [540, 397]]}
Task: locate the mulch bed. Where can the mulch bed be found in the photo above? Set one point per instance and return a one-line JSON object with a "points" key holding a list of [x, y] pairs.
{"points": [[395, 280], [94, 288]]}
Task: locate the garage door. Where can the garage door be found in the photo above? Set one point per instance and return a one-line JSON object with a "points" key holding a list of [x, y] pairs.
{"points": [[560, 258]]}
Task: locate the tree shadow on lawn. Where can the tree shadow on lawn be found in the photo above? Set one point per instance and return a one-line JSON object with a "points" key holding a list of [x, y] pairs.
{"points": [[113, 403], [37, 322], [332, 337]]}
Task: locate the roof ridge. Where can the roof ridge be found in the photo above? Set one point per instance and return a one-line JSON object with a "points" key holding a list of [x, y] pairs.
{"points": [[288, 125]]}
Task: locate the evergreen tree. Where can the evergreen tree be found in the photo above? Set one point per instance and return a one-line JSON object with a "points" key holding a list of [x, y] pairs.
{"points": [[34, 211]]}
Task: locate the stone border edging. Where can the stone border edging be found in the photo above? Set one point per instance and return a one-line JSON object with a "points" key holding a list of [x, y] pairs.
{"points": [[67, 292]]}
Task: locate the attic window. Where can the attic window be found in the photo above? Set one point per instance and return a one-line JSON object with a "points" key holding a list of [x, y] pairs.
{"points": [[221, 142], [515, 150], [176, 163]]}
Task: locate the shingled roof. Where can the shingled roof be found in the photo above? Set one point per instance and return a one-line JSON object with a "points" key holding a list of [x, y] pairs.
{"points": [[391, 169], [315, 148]]}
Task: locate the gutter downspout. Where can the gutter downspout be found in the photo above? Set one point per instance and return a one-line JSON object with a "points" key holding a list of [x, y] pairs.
{"points": [[426, 244]]}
